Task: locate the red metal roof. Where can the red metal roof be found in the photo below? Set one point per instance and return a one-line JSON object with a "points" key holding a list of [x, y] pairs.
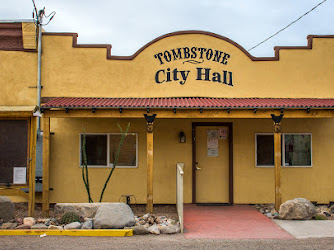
{"points": [[188, 102]]}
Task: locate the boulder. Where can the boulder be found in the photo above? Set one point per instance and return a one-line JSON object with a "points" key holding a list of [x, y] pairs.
{"points": [[140, 230], [154, 229], [30, 221], [7, 209], [23, 227], [53, 227], [297, 209], [87, 210], [173, 229], [39, 226], [114, 215], [87, 225], [8, 225], [73, 225]]}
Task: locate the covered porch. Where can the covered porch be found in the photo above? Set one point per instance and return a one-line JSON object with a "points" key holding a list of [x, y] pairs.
{"points": [[165, 119]]}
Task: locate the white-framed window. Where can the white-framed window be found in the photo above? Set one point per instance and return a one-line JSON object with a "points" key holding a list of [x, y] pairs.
{"points": [[101, 149], [296, 149]]}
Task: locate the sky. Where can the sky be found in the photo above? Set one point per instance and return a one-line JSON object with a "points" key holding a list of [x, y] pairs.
{"points": [[130, 24]]}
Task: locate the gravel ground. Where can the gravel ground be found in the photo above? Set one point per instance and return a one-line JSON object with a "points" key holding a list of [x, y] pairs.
{"points": [[157, 242]]}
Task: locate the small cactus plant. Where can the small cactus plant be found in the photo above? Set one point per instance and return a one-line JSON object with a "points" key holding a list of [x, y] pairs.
{"points": [[69, 218]]}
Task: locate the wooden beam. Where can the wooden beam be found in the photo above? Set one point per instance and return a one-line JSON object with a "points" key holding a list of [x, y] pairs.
{"points": [[277, 160], [16, 114], [149, 172], [149, 120], [14, 191], [46, 165], [32, 166], [190, 113]]}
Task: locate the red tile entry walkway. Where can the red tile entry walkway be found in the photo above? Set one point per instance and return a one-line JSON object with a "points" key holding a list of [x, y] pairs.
{"points": [[229, 222]]}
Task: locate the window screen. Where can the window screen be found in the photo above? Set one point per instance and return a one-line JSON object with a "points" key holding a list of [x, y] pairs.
{"points": [[13, 148], [128, 156]]}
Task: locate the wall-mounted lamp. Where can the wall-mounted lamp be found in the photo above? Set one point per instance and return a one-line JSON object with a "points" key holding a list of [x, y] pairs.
{"points": [[182, 137]]}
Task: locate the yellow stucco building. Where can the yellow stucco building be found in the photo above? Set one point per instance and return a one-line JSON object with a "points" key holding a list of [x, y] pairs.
{"points": [[213, 103]]}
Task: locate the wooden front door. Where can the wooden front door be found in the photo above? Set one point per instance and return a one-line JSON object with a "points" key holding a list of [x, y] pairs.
{"points": [[212, 164]]}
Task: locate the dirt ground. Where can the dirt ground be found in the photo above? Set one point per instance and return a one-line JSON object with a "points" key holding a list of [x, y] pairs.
{"points": [[21, 210]]}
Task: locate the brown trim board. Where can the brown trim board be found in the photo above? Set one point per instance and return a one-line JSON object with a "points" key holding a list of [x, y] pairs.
{"points": [[253, 58], [230, 141]]}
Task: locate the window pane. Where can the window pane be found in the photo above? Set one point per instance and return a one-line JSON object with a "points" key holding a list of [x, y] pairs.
{"points": [[127, 155], [96, 150], [297, 150], [265, 150]]}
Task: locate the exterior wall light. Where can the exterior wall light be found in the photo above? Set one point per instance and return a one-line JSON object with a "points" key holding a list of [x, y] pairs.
{"points": [[182, 137]]}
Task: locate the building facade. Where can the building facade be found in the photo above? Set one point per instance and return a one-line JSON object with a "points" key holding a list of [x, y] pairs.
{"points": [[212, 103]]}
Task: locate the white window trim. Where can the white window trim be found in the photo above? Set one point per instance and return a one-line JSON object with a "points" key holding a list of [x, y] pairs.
{"points": [[283, 151], [109, 165]]}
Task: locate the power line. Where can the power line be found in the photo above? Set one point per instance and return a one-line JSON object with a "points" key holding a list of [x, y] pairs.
{"points": [[288, 25]]}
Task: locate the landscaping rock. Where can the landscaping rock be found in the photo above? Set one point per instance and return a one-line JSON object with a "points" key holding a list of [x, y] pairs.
{"points": [[154, 229], [73, 225], [9, 225], [7, 209], [53, 227], [161, 219], [140, 230], [29, 221], [320, 216], [82, 209], [23, 227], [297, 209], [39, 226], [114, 215], [173, 229], [87, 225]]}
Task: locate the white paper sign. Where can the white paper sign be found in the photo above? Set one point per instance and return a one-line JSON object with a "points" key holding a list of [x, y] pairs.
{"points": [[20, 175], [213, 152], [222, 133], [212, 133], [212, 143]]}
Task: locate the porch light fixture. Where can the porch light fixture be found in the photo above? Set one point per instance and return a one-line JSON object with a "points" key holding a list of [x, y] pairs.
{"points": [[37, 113], [182, 137]]}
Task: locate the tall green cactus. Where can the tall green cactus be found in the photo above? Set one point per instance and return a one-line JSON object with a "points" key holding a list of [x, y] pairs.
{"points": [[85, 169], [123, 135]]}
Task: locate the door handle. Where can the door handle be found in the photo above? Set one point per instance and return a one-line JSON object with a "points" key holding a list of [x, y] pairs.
{"points": [[198, 168]]}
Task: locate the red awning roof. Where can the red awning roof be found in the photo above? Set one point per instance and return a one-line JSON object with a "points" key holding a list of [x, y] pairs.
{"points": [[188, 102]]}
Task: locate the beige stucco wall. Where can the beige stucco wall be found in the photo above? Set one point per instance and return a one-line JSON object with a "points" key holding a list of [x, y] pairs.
{"points": [[85, 72], [251, 184]]}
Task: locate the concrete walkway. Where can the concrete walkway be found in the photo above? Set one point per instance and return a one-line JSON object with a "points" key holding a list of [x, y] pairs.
{"points": [[229, 222], [308, 229]]}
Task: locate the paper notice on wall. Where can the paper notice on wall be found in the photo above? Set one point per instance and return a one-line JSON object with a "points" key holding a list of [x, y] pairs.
{"points": [[222, 133], [212, 133], [213, 152], [212, 143], [20, 175]]}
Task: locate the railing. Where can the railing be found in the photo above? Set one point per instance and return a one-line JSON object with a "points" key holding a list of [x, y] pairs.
{"points": [[179, 192]]}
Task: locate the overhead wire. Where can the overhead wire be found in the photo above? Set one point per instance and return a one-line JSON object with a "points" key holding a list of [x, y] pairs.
{"points": [[288, 25]]}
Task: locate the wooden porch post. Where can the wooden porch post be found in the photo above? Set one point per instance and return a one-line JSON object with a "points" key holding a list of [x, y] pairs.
{"points": [[149, 120], [32, 166], [46, 163], [277, 159]]}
